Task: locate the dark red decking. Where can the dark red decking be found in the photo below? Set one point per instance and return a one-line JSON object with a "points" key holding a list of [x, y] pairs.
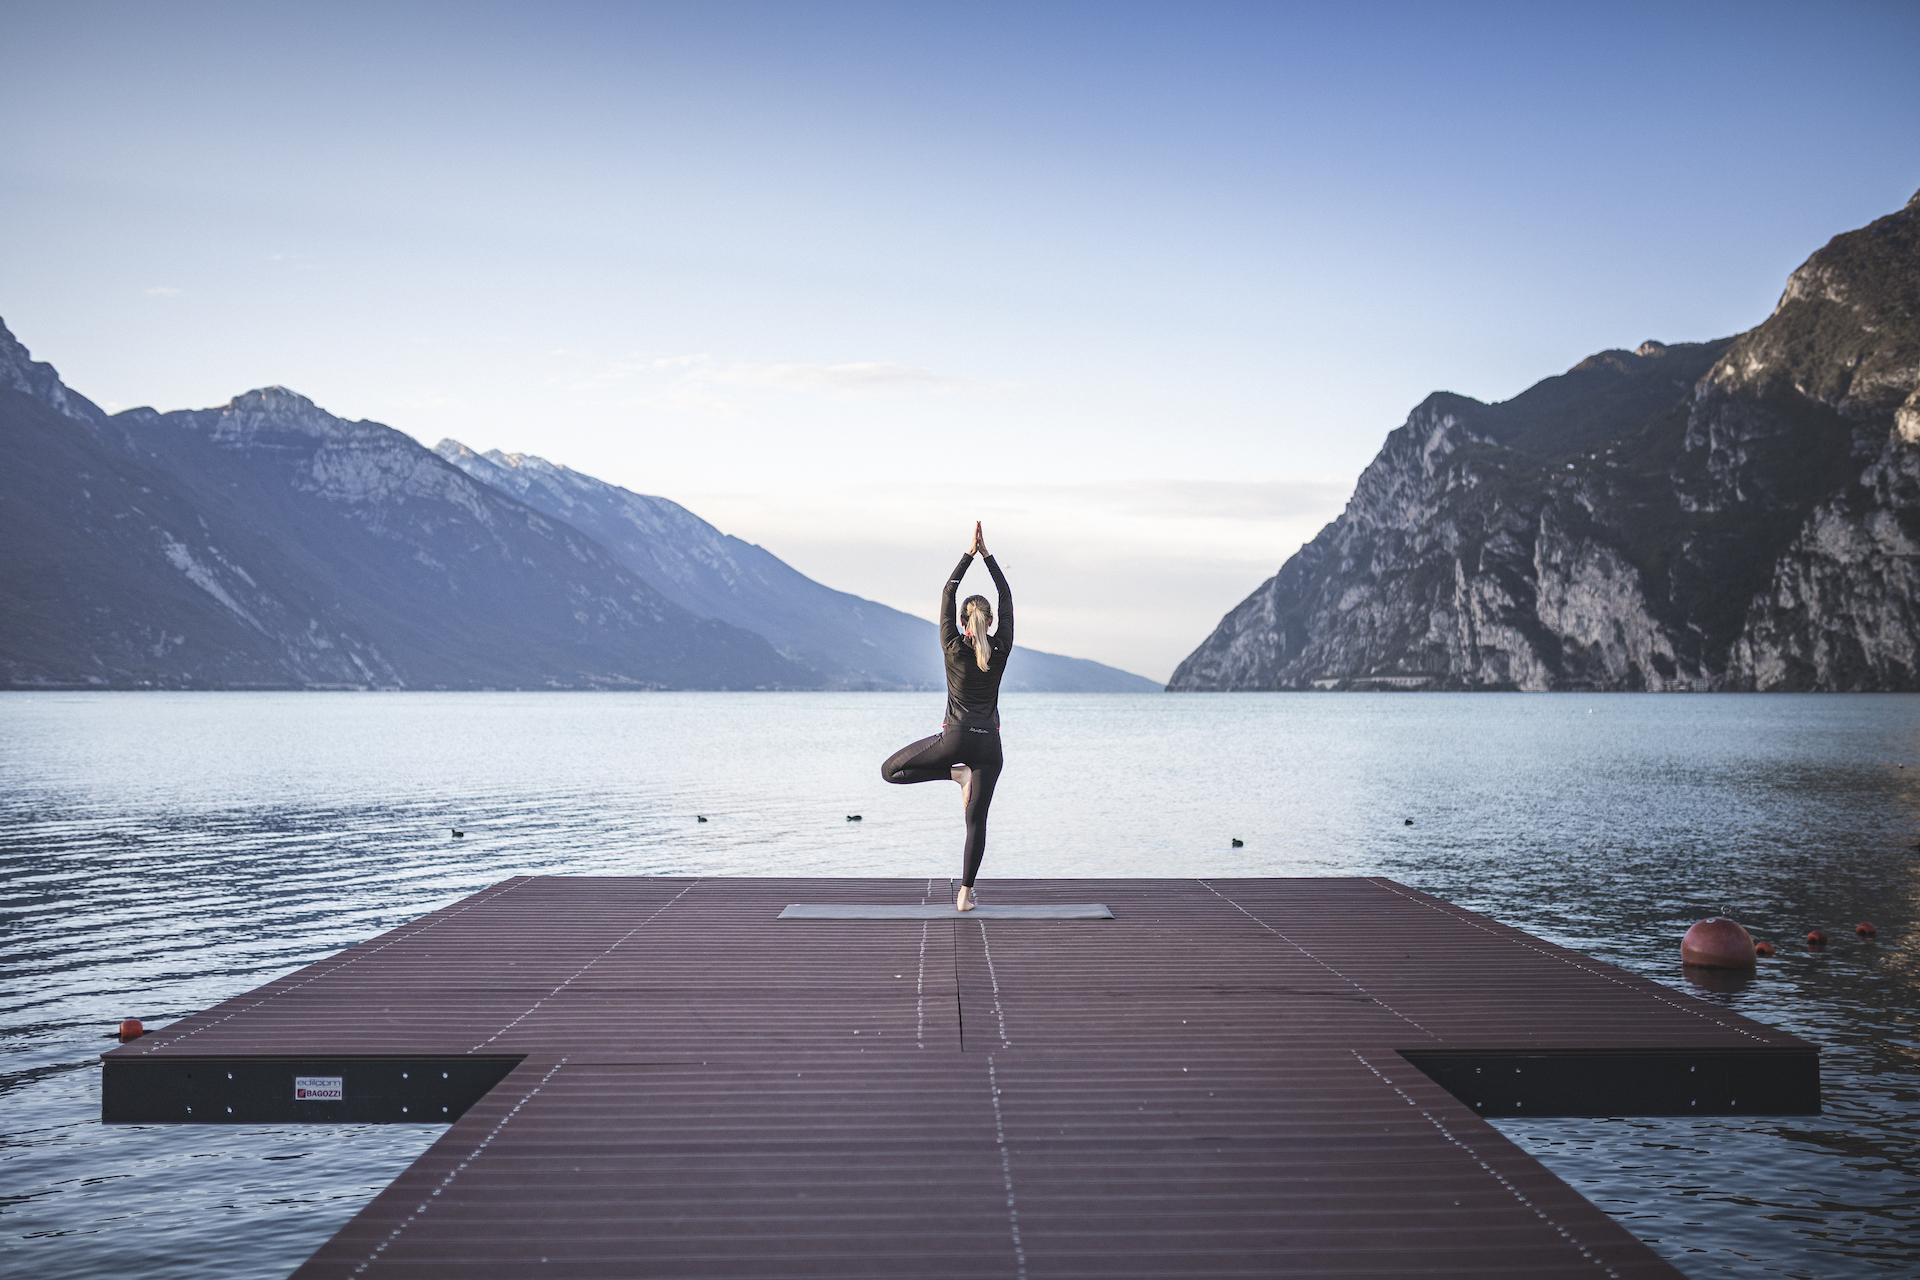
{"points": [[1212, 1083]]}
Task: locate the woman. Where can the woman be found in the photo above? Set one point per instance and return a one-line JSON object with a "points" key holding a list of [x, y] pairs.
{"points": [[967, 748]]}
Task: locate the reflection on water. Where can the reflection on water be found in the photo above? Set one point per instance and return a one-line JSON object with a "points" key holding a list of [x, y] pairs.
{"points": [[165, 851], [1719, 982]]}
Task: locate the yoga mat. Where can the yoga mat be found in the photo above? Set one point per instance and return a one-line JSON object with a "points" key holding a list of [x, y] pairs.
{"points": [[944, 911]]}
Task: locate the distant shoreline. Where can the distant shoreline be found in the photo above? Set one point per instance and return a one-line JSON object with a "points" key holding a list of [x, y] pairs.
{"points": [[1091, 693]]}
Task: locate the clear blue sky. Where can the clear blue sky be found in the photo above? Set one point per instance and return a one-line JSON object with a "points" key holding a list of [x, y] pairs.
{"points": [[1144, 285]]}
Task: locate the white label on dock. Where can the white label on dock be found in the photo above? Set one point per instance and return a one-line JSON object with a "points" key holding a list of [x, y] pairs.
{"points": [[318, 1089]]}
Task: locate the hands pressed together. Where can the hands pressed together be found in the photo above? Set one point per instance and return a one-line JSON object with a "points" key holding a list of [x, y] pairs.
{"points": [[979, 547]]}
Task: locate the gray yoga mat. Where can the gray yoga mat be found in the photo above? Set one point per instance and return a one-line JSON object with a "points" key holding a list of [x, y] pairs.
{"points": [[944, 911]]}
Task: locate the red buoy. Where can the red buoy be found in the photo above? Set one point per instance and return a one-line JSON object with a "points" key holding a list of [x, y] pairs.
{"points": [[1817, 938], [1717, 944], [1865, 929], [131, 1028], [1763, 948]]}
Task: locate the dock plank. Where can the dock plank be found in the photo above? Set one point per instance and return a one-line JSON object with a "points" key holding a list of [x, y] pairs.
{"points": [[1215, 1082]]}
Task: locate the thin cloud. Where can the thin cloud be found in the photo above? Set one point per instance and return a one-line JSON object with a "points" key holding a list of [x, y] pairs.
{"points": [[1219, 499], [690, 398], [162, 291], [857, 376], [698, 380], [1257, 501], [1086, 555]]}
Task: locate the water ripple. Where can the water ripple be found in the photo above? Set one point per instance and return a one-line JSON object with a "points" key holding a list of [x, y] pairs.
{"points": [[164, 852]]}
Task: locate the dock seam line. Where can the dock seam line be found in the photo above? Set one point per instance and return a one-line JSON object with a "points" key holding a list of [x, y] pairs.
{"points": [[435, 919], [1475, 1156], [1006, 1172], [1317, 960], [920, 987], [455, 1171], [959, 1000], [994, 978], [920, 990], [1606, 977], [583, 968]]}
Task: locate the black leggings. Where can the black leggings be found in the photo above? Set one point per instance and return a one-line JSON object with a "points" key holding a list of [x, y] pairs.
{"points": [[932, 760]]}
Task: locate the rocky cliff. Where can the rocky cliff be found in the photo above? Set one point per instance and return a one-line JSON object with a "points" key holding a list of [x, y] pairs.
{"points": [[1739, 514], [267, 543]]}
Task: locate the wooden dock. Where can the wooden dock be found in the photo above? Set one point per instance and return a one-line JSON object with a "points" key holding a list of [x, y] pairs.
{"points": [[660, 1077]]}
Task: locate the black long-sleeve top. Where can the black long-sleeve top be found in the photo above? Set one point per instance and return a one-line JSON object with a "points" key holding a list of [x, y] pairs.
{"points": [[973, 695]]}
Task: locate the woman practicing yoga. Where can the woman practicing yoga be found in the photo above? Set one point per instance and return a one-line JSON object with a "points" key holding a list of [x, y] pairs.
{"points": [[967, 748]]}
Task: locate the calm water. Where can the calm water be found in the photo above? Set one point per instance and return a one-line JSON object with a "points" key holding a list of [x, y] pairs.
{"points": [[165, 851]]}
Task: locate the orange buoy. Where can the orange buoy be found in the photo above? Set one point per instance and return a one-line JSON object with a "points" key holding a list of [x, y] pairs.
{"points": [[1817, 938], [1717, 944], [1865, 929], [1763, 948], [131, 1028]]}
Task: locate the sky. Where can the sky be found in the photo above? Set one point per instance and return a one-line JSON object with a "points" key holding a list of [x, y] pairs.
{"points": [[1143, 287]]}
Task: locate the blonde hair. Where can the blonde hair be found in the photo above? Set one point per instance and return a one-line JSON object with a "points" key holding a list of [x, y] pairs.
{"points": [[979, 616]]}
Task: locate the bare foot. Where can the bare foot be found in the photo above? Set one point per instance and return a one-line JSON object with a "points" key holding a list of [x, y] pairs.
{"points": [[965, 900], [964, 776]]}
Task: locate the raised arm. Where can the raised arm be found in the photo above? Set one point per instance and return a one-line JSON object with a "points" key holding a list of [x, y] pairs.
{"points": [[1003, 629], [949, 627]]}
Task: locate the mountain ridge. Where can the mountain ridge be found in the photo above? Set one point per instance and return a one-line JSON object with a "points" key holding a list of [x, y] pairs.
{"points": [[1736, 514], [853, 642], [267, 543]]}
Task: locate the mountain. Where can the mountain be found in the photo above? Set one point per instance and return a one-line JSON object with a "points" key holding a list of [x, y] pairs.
{"points": [[267, 543], [850, 642], [1741, 514]]}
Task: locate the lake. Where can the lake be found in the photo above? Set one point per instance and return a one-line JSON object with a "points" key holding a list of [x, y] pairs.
{"points": [[163, 852]]}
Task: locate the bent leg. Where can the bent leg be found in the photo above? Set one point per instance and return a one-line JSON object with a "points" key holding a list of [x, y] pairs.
{"points": [[928, 760]]}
